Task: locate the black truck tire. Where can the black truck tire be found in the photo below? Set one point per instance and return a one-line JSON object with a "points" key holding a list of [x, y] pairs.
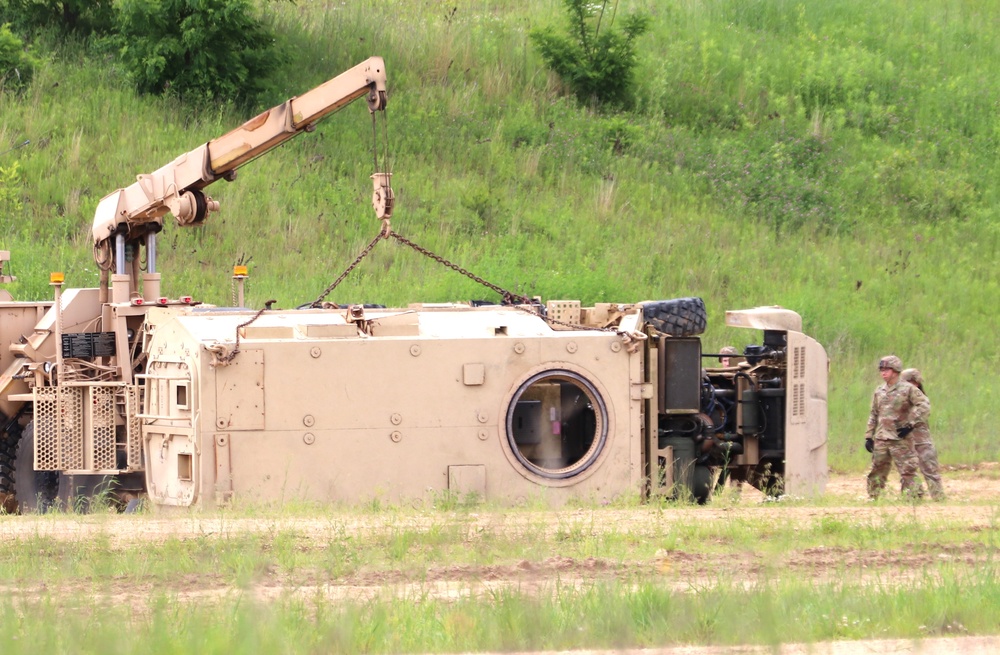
{"points": [[35, 491], [8, 454], [680, 317]]}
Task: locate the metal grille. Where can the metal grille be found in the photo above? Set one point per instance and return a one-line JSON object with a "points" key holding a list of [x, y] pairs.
{"points": [[46, 428], [58, 428], [102, 425], [799, 362], [133, 426], [798, 400], [71, 427], [798, 407]]}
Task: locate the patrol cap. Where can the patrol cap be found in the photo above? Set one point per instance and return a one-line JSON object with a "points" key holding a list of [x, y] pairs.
{"points": [[891, 361], [912, 376]]}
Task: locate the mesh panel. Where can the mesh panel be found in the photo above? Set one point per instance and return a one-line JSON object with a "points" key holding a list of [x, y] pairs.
{"points": [[46, 429], [70, 427], [102, 424], [134, 432]]}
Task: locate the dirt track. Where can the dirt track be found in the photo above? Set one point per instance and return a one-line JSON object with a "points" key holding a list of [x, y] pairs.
{"points": [[973, 503]]}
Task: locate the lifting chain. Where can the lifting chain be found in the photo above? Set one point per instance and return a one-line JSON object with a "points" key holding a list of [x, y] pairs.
{"points": [[519, 302], [364, 253], [509, 298]]}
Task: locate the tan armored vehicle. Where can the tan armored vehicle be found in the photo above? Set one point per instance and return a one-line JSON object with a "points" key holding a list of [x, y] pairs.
{"points": [[123, 391]]}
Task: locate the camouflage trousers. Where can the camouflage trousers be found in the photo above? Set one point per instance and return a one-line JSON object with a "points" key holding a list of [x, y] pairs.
{"points": [[928, 461], [901, 452]]}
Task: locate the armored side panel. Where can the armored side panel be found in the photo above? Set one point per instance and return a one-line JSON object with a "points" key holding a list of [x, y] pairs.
{"points": [[402, 405]]}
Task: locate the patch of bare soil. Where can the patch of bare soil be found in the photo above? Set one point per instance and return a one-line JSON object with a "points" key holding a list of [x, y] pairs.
{"points": [[973, 503]]}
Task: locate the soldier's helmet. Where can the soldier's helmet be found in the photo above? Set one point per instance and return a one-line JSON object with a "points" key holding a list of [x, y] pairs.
{"points": [[728, 350], [914, 377], [891, 361]]}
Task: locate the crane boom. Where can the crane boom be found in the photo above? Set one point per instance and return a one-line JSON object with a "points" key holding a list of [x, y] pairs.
{"points": [[138, 210]]}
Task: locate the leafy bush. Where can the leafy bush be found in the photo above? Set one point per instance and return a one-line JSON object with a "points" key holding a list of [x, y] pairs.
{"points": [[779, 177], [921, 190], [16, 65], [10, 191], [597, 65], [196, 49], [68, 16]]}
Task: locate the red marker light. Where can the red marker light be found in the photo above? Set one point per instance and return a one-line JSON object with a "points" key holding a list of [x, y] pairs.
{"points": [[138, 301]]}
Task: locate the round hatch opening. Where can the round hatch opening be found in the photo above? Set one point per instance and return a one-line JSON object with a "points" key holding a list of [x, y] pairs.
{"points": [[557, 424]]}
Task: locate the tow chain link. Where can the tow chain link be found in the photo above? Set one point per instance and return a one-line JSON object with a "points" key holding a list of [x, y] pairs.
{"points": [[219, 355]]}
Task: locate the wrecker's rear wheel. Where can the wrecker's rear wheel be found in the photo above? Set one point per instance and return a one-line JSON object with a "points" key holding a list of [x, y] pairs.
{"points": [[8, 454], [680, 317], [34, 491]]}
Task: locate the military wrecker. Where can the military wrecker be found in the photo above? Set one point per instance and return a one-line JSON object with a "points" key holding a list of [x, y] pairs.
{"points": [[120, 391]]}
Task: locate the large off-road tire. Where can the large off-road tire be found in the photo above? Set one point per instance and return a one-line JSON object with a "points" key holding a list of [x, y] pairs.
{"points": [[35, 491], [8, 455], [680, 317]]}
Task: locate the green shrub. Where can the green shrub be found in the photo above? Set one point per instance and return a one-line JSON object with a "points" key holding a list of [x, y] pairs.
{"points": [[67, 16], [780, 177], [197, 50], [10, 191], [16, 65], [597, 65]]}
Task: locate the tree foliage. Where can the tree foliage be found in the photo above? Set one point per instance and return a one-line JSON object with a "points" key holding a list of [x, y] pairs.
{"points": [[10, 190], [196, 49], [593, 58], [67, 16], [16, 65]]}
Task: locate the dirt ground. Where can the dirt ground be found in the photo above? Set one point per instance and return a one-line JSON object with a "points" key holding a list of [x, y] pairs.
{"points": [[973, 502]]}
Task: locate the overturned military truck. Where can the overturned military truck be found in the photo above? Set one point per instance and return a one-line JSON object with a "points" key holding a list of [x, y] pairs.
{"points": [[124, 392], [494, 401]]}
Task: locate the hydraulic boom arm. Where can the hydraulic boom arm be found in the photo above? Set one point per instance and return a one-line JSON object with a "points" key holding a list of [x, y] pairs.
{"points": [[137, 211]]}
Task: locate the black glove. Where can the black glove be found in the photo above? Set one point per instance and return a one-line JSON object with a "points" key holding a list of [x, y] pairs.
{"points": [[903, 431], [870, 445]]}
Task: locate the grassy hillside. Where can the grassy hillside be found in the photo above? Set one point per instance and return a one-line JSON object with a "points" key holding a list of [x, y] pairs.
{"points": [[839, 159]]}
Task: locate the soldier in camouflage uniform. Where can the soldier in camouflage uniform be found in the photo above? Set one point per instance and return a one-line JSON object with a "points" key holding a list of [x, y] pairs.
{"points": [[922, 443], [896, 407]]}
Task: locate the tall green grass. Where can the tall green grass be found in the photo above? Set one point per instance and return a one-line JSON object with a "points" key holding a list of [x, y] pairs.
{"points": [[397, 579], [646, 613], [839, 159]]}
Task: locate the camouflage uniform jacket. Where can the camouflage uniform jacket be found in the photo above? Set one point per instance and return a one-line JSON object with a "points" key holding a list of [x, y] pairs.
{"points": [[894, 406], [921, 431]]}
